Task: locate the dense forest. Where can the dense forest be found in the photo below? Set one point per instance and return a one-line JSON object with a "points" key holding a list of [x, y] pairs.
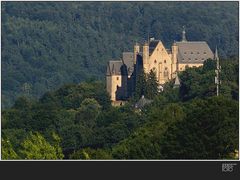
{"points": [[45, 45], [77, 121]]}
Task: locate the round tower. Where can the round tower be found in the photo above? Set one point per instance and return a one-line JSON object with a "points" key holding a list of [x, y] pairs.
{"points": [[145, 53], [174, 59], [135, 52]]}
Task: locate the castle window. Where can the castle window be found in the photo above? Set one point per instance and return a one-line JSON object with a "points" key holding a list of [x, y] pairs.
{"points": [[117, 78], [185, 52], [164, 61], [165, 74], [189, 58], [197, 52], [183, 59], [191, 52], [196, 59], [165, 68], [202, 58], [204, 53], [180, 68], [155, 61]]}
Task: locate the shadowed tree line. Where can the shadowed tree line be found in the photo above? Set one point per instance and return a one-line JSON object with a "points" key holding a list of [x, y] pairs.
{"points": [[77, 121]]}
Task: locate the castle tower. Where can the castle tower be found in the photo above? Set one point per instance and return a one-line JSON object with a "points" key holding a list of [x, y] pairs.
{"points": [[136, 51], [174, 66], [145, 56]]}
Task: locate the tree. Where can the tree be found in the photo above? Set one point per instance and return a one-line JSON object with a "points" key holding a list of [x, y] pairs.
{"points": [[151, 85], [36, 147], [140, 85], [209, 131], [7, 150], [88, 112], [89, 153]]}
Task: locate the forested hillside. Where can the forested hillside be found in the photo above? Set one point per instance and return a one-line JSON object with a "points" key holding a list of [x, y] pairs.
{"points": [[77, 121], [48, 44]]}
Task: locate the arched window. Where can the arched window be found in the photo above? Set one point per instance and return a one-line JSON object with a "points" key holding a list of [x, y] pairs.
{"points": [[165, 73]]}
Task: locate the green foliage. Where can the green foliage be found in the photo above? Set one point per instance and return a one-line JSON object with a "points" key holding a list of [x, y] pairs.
{"points": [[209, 131], [7, 150], [187, 122], [199, 82], [36, 147], [88, 112], [91, 154], [48, 44], [142, 144], [141, 82], [151, 85], [146, 84]]}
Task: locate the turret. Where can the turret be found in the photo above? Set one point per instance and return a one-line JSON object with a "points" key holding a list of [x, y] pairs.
{"points": [[174, 59], [136, 51], [145, 53]]}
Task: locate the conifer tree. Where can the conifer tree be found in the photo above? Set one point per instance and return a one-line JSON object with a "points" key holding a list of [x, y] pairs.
{"points": [[151, 85], [140, 85]]}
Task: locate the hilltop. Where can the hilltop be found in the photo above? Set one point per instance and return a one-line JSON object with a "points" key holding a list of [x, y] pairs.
{"points": [[77, 121], [48, 44]]}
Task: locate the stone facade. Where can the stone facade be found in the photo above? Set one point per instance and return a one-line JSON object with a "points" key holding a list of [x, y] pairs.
{"points": [[121, 74]]}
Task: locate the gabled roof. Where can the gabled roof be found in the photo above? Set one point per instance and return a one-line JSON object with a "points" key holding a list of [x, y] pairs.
{"points": [[152, 45], [113, 67], [177, 82], [193, 52], [142, 102], [128, 60]]}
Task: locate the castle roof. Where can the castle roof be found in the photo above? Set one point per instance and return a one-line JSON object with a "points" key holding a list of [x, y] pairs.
{"points": [[152, 45], [177, 82], [142, 102], [113, 67], [128, 59], [193, 52]]}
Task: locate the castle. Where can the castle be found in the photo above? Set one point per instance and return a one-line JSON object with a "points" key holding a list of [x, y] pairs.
{"points": [[121, 74]]}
